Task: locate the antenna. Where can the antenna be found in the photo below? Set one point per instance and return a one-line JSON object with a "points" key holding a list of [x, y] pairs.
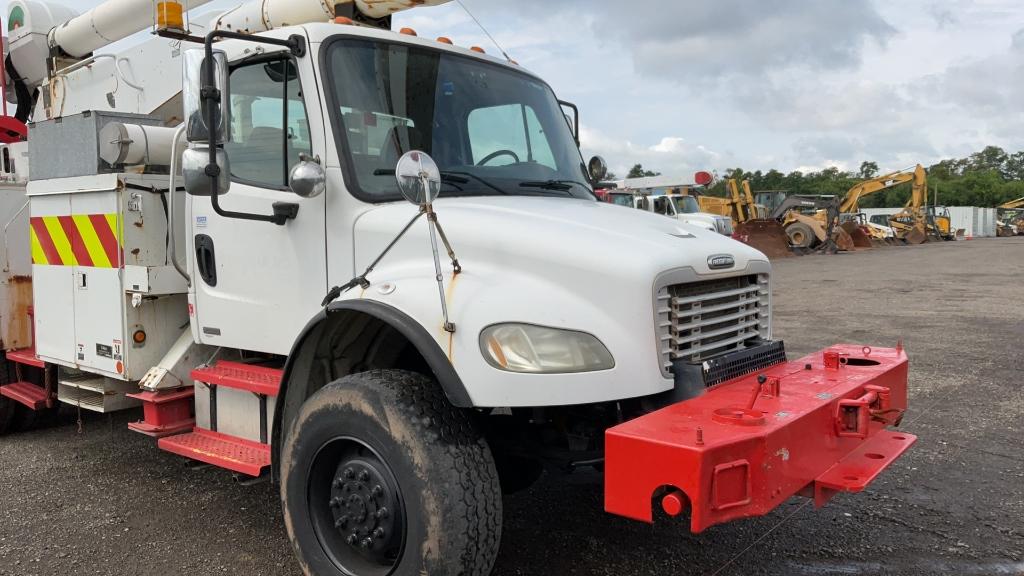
{"points": [[500, 49]]}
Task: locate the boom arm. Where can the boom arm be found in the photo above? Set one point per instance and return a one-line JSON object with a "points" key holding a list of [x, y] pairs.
{"points": [[1018, 203], [851, 202]]}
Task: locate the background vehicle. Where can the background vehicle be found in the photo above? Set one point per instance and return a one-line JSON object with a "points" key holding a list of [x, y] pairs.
{"points": [[684, 209], [394, 365]]}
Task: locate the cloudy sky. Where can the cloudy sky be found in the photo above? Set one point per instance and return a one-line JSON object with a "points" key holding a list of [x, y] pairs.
{"points": [[682, 85]]}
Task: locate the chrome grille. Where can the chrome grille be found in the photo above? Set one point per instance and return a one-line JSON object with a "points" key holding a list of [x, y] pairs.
{"points": [[700, 320]]}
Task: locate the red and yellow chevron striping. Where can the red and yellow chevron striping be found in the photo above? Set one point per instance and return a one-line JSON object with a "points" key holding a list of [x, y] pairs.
{"points": [[77, 240]]}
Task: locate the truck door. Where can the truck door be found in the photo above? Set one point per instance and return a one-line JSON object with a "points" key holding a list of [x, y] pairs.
{"points": [[255, 284]]}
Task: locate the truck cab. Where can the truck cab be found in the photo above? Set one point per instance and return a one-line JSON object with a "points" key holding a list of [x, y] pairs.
{"points": [[683, 208], [386, 288]]}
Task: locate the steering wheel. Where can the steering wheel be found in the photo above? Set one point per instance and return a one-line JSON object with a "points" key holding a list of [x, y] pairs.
{"points": [[494, 155]]}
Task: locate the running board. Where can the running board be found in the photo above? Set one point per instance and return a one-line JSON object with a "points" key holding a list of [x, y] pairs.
{"points": [[26, 393], [235, 454]]}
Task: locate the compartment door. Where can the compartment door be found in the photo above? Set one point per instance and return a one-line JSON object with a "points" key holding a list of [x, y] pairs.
{"points": [[99, 298], [52, 278]]}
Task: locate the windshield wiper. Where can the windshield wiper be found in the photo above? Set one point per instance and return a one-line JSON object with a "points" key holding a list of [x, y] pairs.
{"points": [[557, 185], [464, 177]]}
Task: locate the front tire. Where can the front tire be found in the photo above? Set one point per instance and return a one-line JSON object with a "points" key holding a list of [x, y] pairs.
{"points": [[800, 235], [381, 476]]}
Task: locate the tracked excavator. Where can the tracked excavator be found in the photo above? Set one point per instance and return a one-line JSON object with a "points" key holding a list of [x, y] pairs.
{"points": [[1011, 218], [918, 222]]}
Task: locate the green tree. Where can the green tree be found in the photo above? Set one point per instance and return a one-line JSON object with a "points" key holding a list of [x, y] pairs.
{"points": [[868, 170], [637, 171]]}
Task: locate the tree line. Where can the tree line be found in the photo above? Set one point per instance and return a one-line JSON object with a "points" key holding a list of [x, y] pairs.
{"points": [[986, 178]]}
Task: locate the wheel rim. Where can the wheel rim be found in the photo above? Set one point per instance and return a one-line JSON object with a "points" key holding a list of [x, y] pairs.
{"points": [[356, 508]]}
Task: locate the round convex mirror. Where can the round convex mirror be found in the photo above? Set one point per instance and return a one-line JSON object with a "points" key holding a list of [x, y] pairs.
{"points": [[598, 169], [418, 177], [307, 178]]}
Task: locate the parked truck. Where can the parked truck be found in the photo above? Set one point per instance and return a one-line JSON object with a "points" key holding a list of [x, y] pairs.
{"points": [[219, 232]]}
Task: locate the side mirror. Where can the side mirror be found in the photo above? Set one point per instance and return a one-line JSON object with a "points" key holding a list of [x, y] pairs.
{"points": [[598, 169], [307, 178], [193, 171], [419, 178], [194, 64]]}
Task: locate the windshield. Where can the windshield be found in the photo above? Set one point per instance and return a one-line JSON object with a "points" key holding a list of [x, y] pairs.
{"points": [[621, 199], [686, 204], [491, 130]]}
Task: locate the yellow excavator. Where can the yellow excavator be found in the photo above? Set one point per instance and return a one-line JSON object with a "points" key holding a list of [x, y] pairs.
{"points": [[917, 221], [1011, 218], [751, 222]]}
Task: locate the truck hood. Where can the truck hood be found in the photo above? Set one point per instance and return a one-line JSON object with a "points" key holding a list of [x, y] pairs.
{"points": [[566, 231]]}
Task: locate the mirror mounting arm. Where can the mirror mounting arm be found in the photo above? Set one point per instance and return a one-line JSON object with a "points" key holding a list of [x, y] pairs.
{"points": [[575, 120], [296, 44]]}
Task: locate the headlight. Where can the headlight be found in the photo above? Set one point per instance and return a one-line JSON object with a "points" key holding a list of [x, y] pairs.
{"points": [[528, 348]]}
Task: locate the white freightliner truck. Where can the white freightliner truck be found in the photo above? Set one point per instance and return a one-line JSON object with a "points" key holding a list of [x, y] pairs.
{"points": [[218, 234]]}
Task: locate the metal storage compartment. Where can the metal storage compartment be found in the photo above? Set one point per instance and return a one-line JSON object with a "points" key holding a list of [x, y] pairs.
{"points": [[102, 274]]}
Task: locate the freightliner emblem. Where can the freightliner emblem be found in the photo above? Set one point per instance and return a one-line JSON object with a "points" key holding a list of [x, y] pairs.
{"points": [[721, 261]]}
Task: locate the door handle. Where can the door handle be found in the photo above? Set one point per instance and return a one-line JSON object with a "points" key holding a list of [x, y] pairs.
{"points": [[206, 259]]}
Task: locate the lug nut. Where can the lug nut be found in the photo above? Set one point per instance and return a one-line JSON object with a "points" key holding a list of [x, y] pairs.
{"points": [[366, 543], [335, 502], [364, 476], [349, 473], [377, 491], [378, 533], [382, 513], [352, 539], [341, 522]]}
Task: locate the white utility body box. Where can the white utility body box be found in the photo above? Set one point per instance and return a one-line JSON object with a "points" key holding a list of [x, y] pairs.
{"points": [[108, 300]]}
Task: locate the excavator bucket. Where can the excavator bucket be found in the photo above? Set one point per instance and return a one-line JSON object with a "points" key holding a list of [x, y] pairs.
{"points": [[857, 235], [915, 235], [767, 235], [844, 242]]}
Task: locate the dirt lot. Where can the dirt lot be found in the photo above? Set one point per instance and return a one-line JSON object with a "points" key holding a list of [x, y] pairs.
{"points": [[106, 502]]}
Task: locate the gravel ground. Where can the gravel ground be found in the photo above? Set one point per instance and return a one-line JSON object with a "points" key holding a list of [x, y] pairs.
{"points": [[107, 502]]}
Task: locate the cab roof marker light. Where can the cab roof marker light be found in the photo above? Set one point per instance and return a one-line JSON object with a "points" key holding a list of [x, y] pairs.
{"points": [[408, 32], [343, 20], [478, 49], [445, 40]]}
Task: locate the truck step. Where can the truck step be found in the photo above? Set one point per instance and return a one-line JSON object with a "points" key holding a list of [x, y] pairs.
{"points": [[221, 450], [166, 412], [27, 393], [95, 393], [26, 356], [257, 379]]}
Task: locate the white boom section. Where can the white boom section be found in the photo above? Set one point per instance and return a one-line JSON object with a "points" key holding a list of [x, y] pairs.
{"points": [[261, 15], [105, 24]]}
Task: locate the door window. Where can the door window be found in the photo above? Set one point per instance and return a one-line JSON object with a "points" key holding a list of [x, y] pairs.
{"points": [[269, 127]]}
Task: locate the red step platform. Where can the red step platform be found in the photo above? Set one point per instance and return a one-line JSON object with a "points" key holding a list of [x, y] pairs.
{"points": [[26, 356], [242, 456], [256, 379], [27, 393], [166, 412]]}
